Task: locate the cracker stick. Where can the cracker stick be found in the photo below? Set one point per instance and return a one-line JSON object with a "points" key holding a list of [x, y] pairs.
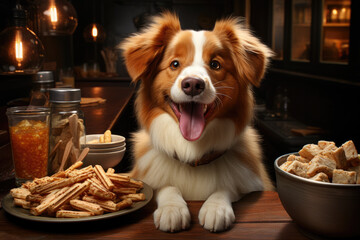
{"points": [[120, 190], [73, 192], [110, 170], [107, 136], [19, 193], [124, 204], [73, 214], [47, 187], [135, 197], [107, 195], [107, 205], [34, 198], [87, 206], [100, 173], [47, 201], [117, 178]]}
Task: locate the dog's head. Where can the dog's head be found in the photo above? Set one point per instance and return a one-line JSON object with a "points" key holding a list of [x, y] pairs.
{"points": [[195, 76]]}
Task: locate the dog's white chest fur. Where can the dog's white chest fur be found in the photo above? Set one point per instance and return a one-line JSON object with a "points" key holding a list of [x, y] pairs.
{"points": [[197, 183]]}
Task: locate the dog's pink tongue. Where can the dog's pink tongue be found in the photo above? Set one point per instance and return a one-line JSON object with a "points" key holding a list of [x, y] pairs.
{"points": [[192, 121]]}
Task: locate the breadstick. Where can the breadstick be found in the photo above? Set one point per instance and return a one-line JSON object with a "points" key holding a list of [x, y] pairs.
{"points": [[21, 193], [107, 136], [105, 204], [124, 204], [73, 192], [87, 206], [100, 173], [135, 197], [73, 214]]}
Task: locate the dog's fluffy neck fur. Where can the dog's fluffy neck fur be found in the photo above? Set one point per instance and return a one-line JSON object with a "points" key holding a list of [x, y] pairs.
{"points": [[165, 139]]}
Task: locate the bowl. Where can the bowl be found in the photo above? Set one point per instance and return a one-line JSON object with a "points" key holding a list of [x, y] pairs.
{"points": [[105, 159], [104, 150], [117, 140], [319, 208]]}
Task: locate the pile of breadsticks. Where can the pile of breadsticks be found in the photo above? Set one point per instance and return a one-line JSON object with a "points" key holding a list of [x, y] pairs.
{"points": [[75, 193]]}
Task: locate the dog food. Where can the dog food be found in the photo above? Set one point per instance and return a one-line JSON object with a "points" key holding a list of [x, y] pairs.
{"points": [[326, 162]]}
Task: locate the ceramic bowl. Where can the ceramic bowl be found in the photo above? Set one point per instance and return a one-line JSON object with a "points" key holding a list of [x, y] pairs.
{"points": [[105, 159], [117, 140], [105, 150], [320, 209]]}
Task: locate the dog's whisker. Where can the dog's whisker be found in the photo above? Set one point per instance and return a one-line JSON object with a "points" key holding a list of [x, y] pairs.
{"points": [[223, 94]]}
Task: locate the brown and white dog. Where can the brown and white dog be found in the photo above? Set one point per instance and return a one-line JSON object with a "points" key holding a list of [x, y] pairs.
{"points": [[194, 106]]}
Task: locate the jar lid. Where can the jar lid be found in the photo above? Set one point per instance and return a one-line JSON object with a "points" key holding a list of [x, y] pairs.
{"points": [[64, 95], [43, 77]]}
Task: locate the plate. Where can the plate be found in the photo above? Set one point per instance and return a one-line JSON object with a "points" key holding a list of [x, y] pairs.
{"points": [[8, 206]]}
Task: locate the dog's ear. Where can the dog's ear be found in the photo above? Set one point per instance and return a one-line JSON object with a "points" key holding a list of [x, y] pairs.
{"points": [[249, 55], [145, 49]]}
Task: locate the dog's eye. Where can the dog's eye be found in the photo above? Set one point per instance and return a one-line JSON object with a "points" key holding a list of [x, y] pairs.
{"points": [[215, 65], [174, 64]]}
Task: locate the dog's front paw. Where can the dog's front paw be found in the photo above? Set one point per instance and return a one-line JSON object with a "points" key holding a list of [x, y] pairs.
{"points": [[170, 218], [216, 216]]}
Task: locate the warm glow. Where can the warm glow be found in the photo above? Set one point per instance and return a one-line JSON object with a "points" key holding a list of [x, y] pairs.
{"points": [[19, 54], [334, 12], [53, 14], [94, 31]]}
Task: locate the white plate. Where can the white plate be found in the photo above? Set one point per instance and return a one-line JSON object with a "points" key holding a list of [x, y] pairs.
{"points": [[117, 140]]}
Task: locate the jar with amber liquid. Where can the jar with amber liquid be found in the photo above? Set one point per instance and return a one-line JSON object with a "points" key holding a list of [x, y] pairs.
{"points": [[29, 138]]}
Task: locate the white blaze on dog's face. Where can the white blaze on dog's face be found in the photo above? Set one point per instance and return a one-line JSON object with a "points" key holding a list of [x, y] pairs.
{"points": [[192, 95], [195, 76]]}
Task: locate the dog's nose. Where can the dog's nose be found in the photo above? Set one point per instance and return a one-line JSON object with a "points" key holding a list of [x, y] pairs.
{"points": [[193, 86]]}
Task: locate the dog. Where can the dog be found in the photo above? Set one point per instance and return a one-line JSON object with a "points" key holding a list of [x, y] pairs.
{"points": [[194, 106]]}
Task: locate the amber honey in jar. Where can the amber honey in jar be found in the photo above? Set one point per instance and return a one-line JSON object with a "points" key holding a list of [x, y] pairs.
{"points": [[29, 137]]}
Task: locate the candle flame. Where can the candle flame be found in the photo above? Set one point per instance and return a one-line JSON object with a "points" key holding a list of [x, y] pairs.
{"points": [[53, 14], [94, 31]]}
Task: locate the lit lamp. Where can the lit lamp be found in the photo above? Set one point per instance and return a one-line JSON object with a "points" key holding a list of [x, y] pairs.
{"points": [[21, 51], [57, 17], [94, 33]]}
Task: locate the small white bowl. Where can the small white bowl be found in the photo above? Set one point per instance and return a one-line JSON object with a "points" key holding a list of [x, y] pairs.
{"points": [[107, 150], [117, 140], [105, 159]]}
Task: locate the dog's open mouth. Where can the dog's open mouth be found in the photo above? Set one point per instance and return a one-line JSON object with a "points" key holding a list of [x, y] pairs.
{"points": [[191, 116]]}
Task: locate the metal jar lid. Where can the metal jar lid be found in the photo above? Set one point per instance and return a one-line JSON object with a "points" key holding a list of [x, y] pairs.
{"points": [[65, 95], [43, 77]]}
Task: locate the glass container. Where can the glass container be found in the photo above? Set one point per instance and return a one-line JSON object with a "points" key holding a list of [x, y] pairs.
{"points": [[29, 137], [66, 127]]}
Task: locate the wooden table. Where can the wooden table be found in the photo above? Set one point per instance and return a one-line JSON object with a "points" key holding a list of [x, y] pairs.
{"points": [[259, 215]]}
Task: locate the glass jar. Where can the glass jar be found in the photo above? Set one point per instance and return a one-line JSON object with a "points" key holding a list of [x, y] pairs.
{"points": [[66, 128], [42, 81], [29, 137]]}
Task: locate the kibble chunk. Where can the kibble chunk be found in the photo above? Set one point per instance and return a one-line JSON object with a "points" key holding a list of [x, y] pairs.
{"points": [[338, 155], [320, 163], [344, 177], [326, 144], [320, 177], [351, 153], [293, 157], [298, 168], [309, 151]]}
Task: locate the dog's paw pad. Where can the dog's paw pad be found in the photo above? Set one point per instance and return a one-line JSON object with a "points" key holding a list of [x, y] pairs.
{"points": [[172, 218], [215, 217]]}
